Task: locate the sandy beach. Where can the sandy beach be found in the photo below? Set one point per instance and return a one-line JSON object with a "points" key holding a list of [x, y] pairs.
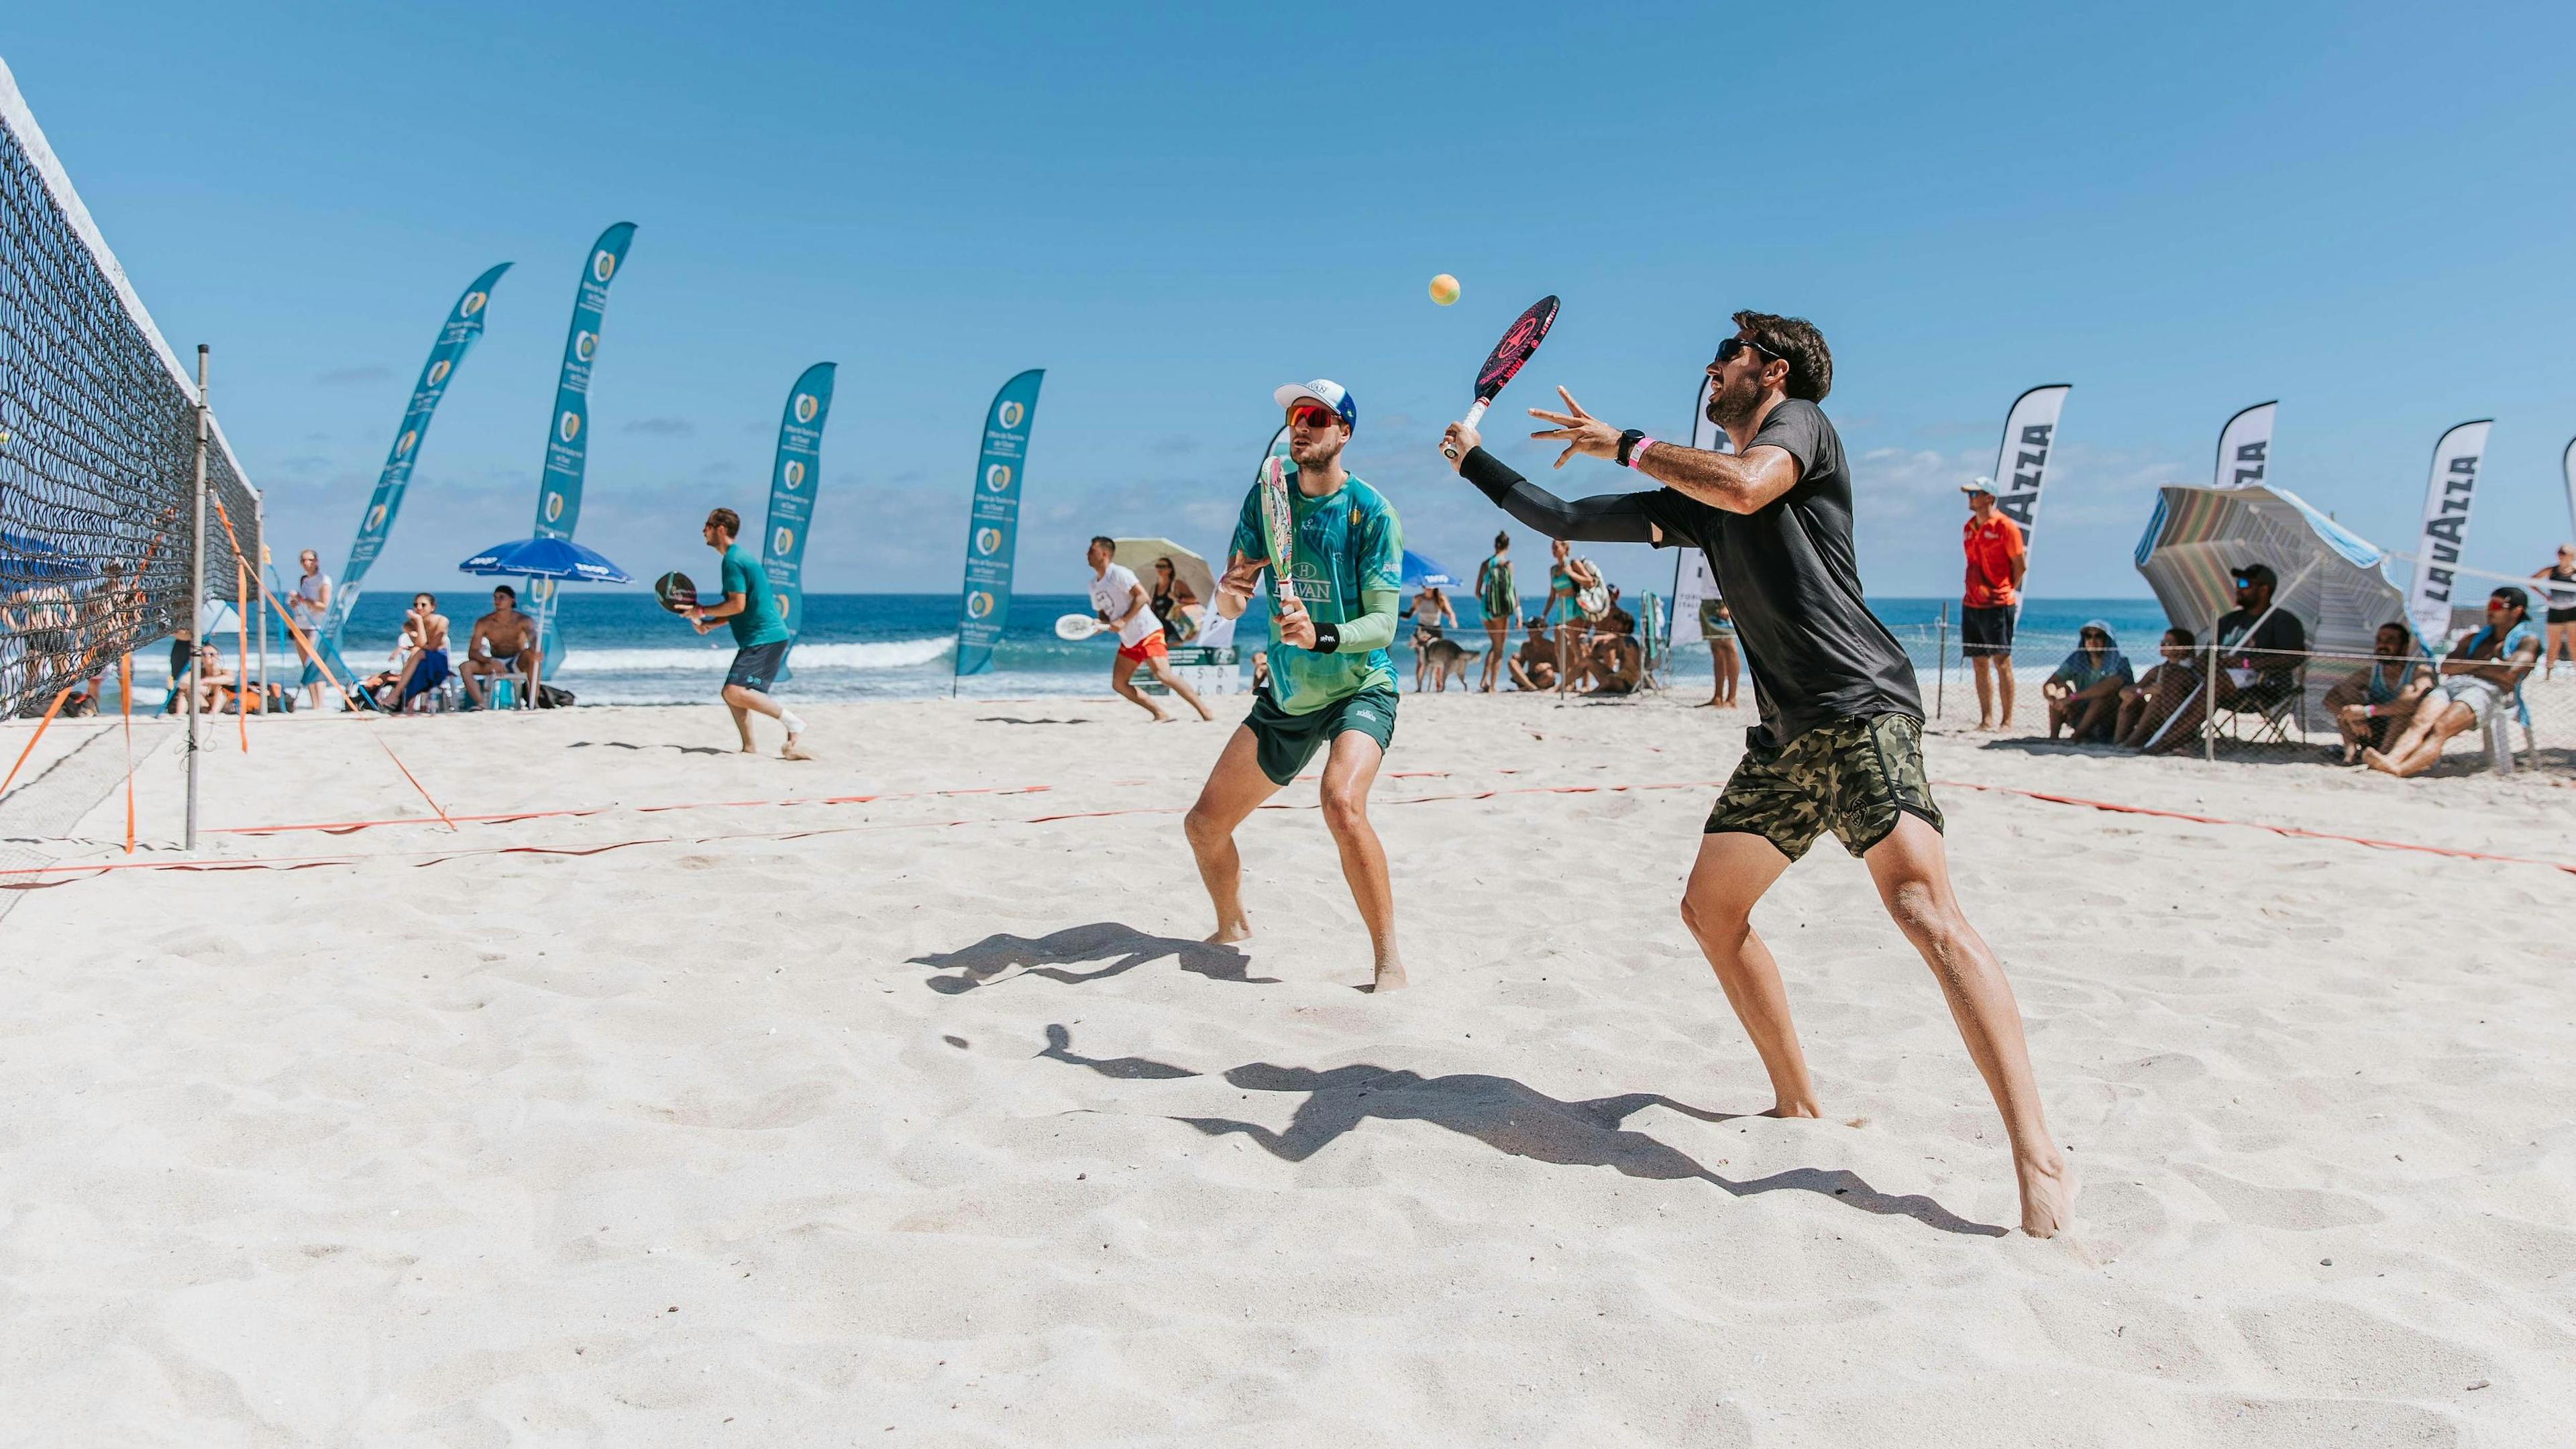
{"points": [[891, 1099]]}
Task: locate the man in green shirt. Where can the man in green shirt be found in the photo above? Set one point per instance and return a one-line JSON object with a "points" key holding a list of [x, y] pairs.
{"points": [[1331, 684], [759, 634]]}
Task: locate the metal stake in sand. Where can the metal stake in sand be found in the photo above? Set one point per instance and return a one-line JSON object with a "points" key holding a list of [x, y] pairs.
{"points": [[197, 597]]}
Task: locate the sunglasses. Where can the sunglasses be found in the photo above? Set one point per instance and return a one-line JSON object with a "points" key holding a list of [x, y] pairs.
{"points": [[1313, 415], [1734, 347]]}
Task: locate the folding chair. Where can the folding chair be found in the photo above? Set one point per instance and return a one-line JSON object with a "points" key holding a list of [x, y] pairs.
{"points": [[2270, 723]]}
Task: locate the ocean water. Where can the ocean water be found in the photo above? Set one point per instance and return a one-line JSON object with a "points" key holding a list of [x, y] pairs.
{"points": [[622, 648]]}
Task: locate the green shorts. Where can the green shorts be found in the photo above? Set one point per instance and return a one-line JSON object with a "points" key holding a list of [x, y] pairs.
{"points": [[1284, 742], [1852, 777]]}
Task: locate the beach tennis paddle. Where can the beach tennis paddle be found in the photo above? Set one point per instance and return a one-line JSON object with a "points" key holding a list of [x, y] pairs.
{"points": [[1070, 627], [1281, 515], [676, 592], [1505, 361]]}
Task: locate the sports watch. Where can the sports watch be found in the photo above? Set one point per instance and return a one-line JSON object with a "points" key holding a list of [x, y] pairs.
{"points": [[1628, 440]]}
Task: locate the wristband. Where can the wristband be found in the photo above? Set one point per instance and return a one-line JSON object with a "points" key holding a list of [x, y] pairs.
{"points": [[1627, 441], [1328, 638], [1637, 454]]}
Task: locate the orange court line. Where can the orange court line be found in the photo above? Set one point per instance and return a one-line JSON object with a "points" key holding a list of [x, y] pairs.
{"points": [[351, 827], [2291, 830], [427, 858]]}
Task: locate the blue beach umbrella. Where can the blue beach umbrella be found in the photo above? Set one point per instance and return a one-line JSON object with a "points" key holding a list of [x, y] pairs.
{"points": [[1421, 572], [29, 560], [546, 558]]}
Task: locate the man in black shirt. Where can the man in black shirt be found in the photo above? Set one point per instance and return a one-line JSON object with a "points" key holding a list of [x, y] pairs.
{"points": [[1840, 743], [2259, 648]]}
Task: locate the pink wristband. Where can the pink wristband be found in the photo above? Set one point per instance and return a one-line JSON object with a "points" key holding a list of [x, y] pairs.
{"points": [[1637, 454]]}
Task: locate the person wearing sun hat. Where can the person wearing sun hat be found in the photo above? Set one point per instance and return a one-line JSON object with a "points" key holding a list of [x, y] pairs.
{"points": [[1331, 685], [2084, 693]]}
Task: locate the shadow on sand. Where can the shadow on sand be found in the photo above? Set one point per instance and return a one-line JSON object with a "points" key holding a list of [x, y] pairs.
{"points": [[1124, 948], [623, 745], [1509, 1117]]}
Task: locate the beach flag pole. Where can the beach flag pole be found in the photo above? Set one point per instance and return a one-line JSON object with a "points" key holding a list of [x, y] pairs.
{"points": [[1941, 662], [197, 596], [259, 530]]}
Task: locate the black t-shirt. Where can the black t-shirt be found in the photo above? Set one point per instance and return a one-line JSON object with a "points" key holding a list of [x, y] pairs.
{"points": [[2275, 644], [1789, 574]]}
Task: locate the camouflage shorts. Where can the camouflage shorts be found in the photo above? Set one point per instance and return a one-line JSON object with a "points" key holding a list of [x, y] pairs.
{"points": [[1852, 777]]}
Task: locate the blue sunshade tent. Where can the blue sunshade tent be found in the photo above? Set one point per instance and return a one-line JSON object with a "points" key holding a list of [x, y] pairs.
{"points": [[1420, 572], [546, 558], [29, 560]]}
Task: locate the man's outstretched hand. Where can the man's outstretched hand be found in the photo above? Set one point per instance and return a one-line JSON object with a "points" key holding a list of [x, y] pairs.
{"points": [[1580, 431]]}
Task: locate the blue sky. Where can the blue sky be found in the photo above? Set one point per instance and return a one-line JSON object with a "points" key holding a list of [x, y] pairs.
{"points": [[2362, 210]]}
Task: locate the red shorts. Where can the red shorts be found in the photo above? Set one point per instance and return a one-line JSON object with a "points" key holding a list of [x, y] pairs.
{"points": [[1151, 648]]}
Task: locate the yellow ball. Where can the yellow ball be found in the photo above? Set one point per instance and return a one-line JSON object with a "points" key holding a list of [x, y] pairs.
{"points": [[1444, 289]]}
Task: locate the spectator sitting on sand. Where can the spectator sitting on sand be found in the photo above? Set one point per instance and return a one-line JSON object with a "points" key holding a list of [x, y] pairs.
{"points": [[213, 681], [1534, 668], [2479, 677], [2373, 706], [2084, 693], [2147, 704]]}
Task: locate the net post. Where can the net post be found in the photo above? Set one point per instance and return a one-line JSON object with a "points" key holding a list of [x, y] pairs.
{"points": [[259, 535], [1941, 662], [196, 595], [2209, 703]]}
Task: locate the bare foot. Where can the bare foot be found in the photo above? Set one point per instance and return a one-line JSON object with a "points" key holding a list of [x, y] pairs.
{"points": [[2047, 1195], [2377, 761], [1390, 977], [1231, 933], [1794, 1109], [793, 750]]}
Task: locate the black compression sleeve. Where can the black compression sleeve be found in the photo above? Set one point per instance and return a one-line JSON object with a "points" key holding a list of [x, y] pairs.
{"points": [[1609, 518]]}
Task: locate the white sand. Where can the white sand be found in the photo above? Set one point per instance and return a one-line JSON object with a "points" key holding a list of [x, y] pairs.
{"points": [[937, 1128]]}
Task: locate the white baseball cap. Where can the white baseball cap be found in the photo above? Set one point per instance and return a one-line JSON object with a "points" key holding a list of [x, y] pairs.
{"points": [[1981, 485], [1323, 390]]}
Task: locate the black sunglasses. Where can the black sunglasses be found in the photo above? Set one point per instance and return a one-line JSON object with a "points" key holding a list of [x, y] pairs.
{"points": [[1733, 347]]}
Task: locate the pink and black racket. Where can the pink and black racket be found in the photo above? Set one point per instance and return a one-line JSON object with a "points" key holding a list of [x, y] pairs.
{"points": [[1505, 361]]}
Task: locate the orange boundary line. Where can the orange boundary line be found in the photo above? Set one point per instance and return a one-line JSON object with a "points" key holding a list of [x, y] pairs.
{"points": [[2290, 830]]}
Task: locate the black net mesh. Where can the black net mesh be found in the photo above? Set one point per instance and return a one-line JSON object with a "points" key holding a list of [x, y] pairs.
{"points": [[97, 458]]}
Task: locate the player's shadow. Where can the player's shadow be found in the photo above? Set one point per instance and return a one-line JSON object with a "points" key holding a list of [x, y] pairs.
{"points": [[623, 745], [1509, 1117], [1121, 948]]}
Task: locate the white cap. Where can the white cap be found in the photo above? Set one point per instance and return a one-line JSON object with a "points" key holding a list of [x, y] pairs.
{"points": [[1982, 485], [1323, 390]]}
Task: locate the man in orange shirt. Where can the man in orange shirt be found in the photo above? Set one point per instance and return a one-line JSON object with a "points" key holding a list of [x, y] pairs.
{"points": [[1996, 561]]}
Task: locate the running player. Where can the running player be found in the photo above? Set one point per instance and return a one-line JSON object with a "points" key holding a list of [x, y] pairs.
{"points": [[1331, 684], [760, 635], [1839, 746]]}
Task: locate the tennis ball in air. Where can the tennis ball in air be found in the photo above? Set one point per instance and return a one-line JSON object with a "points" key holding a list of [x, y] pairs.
{"points": [[1444, 289]]}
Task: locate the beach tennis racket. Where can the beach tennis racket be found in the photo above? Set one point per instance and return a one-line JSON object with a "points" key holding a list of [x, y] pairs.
{"points": [[1505, 361], [676, 592], [1071, 627], [1281, 516]]}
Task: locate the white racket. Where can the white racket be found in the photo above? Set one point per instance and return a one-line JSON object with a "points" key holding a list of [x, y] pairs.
{"points": [[1281, 515], [1071, 627]]}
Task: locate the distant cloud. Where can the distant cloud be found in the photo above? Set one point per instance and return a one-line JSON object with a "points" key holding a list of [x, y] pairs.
{"points": [[660, 427], [349, 376]]}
